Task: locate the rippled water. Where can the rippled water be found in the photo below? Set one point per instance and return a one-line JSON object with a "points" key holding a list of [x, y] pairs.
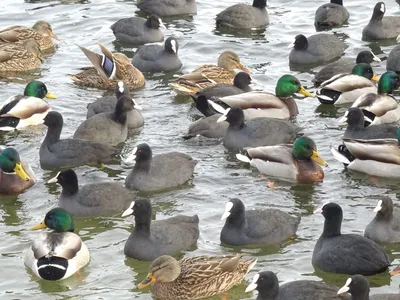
{"points": [[218, 176]]}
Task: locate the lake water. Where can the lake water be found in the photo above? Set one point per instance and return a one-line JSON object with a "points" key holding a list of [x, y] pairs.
{"points": [[218, 175]]}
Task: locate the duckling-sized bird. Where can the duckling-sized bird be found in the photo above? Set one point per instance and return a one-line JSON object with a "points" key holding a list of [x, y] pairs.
{"points": [[381, 108], [385, 227], [157, 58], [329, 15], [195, 277], [158, 172], [21, 56], [380, 27], [90, 199], [347, 88], [298, 162], [28, 109], [104, 104], [344, 65], [256, 132], [57, 254], [16, 175], [168, 7], [110, 128], [244, 16], [139, 31], [41, 32], [340, 253], [246, 227], [56, 153], [108, 69], [209, 75], [358, 287], [151, 239], [263, 104], [267, 285], [316, 49]]}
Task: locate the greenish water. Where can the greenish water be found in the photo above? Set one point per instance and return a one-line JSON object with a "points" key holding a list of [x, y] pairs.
{"points": [[218, 176]]}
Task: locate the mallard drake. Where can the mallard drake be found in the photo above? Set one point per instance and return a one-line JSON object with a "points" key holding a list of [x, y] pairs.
{"points": [[108, 69], [41, 32], [381, 108], [20, 56], [263, 104], [57, 254], [28, 109], [298, 162], [195, 277], [346, 88], [16, 175], [209, 75]]}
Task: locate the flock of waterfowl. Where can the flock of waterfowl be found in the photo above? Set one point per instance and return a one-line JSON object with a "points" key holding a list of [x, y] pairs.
{"points": [[256, 125]]}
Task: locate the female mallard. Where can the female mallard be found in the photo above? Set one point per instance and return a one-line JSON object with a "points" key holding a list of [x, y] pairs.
{"points": [[20, 56], [298, 162], [16, 175], [108, 69], [195, 277], [209, 75], [41, 32], [381, 108], [57, 254], [28, 109], [346, 88], [263, 104]]}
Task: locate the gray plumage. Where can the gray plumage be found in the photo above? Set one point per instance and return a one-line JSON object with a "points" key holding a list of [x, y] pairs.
{"points": [[159, 172], [157, 58], [331, 14], [168, 7], [316, 49], [151, 239], [208, 127], [385, 227], [380, 27], [56, 153], [137, 30], [393, 61], [270, 226]]}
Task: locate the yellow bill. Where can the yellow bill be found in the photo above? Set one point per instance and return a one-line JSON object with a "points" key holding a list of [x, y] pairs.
{"points": [[19, 170], [315, 157], [147, 281], [50, 96], [375, 78], [39, 226], [304, 92], [52, 35], [243, 68], [395, 271]]}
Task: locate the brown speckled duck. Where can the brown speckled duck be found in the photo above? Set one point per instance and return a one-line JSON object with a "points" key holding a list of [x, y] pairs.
{"points": [[21, 56], [108, 69]]}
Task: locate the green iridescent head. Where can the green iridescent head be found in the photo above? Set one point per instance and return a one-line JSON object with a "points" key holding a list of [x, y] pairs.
{"points": [[364, 70], [287, 85], [10, 162], [37, 89], [304, 148], [57, 219], [389, 82]]}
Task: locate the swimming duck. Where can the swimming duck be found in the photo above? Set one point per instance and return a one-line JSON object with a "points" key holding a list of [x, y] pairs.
{"points": [[108, 69], [332, 14], [344, 65], [137, 30], [264, 104], [244, 16], [346, 88], [20, 56], [151, 239], [168, 7], [28, 109], [157, 58], [57, 153], [190, 278], [256, 132], [385, 227], [380, 27], [381, 108], [340, 253], [57, 254], [298, 162], [16, 175], [41, 32], [316, 49], [209, 75]]}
